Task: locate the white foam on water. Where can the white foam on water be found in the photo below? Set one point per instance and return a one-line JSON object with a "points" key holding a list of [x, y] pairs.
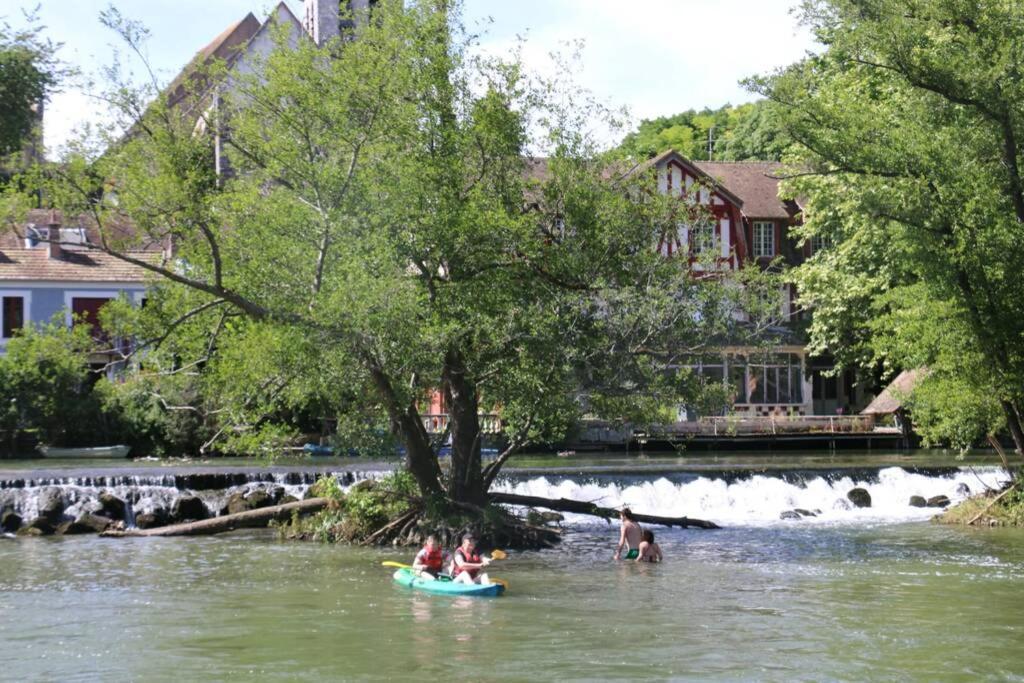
{"points": [[759, 499], [145, 494]]}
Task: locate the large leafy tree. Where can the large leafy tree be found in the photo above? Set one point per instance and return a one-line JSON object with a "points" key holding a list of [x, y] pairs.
{"points": [[29, 70], [385, 233], [909, 132]]}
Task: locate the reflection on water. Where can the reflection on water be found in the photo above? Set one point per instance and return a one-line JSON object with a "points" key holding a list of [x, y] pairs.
{"points": [[906, 601]]}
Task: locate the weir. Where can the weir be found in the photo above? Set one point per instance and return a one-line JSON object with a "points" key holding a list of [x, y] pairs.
{"points": [[726, 496]]}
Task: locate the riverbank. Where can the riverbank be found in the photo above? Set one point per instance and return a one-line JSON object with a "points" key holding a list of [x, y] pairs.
{"points": [[1003, 507]]}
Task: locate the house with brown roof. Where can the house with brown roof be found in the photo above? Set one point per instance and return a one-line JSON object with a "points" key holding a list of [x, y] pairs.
{"points": [[47, 271], [47, 267], [748, 222]]}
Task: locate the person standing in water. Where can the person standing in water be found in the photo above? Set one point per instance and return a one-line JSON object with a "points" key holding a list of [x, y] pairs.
{"points": [[649, 551], [629, 535]]}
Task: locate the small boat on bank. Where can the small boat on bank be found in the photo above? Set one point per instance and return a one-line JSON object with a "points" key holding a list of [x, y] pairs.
{"points": [[85, 453], [407, 577]]}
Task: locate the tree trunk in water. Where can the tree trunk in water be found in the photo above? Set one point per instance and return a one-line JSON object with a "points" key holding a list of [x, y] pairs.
{"points": [[239, 520], [420, 458], [585, 508], [1013, 422], [465, 483]]}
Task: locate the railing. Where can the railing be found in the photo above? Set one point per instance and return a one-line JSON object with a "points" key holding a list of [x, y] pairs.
{"points": [[437, 423], [732, 425]]}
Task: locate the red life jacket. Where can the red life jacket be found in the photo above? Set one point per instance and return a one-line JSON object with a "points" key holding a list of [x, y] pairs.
{"points": [[432, 560], [472, 559]]}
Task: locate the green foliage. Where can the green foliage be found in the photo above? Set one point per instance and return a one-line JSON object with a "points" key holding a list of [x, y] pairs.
{"points": [[384, 235], [28, 72], [160, 416], [743, 132], [370, 505], [1008, 511], [327, 486], [949, 410], [909, 128], [45, 384]]}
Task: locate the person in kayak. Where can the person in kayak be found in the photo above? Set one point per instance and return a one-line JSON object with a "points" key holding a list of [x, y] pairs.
{"points": [[649, 551], [466, 563], [429, 561], [629, 535]]}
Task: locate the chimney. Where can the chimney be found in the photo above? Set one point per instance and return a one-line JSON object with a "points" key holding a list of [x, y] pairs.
{"points": [[358, 11], [321, 20], [53, 249]]}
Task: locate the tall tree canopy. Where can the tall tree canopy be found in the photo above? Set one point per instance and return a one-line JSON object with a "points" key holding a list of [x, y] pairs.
{"points": [[28, 71], [908, 132], [385, 232], [738, 133]]}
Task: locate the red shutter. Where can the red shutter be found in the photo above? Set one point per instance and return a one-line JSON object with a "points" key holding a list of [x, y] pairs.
{"points": [[87, 310], [13, 315]]}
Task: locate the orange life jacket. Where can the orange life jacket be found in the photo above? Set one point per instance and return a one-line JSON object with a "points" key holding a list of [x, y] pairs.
{"points": [[472, 559], [432, 560]]}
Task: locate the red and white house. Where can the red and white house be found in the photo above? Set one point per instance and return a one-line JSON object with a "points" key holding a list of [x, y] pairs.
{"points": [[740, 220]]}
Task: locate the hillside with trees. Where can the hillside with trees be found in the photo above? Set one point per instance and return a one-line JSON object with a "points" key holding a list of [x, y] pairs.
{"points": [[738, 133]]}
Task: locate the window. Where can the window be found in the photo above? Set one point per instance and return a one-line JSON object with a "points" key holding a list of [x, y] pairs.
{"points": [[12, 315], [764, 239], [705, 241], [710, 368], [35, 236], [86, 309], [819, 243], [769, 379]]}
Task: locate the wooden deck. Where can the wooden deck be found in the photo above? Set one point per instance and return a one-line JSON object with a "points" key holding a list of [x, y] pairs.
{"points": [[740, 432]]}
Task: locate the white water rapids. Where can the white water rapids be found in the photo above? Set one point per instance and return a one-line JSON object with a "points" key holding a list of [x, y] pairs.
{"points": [[754, 499], [760, 499]]}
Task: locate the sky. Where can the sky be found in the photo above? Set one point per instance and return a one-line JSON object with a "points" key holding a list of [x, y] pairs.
{"points": [[656, 57]]}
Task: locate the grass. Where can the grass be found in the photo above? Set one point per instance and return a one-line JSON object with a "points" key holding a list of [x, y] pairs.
{"points": [[1008, 511]]}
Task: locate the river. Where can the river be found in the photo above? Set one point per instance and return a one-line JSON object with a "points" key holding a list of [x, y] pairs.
{"points": [[873, 594]]}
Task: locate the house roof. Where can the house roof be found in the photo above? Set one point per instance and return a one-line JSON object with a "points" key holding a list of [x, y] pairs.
{"points": [[892, 397], [228, 46], [225, 46], [716, 183], [754, 183], [12, 234], [23, 265]]}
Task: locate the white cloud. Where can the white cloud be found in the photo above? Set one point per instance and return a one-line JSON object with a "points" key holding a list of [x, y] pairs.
{"points": [[660, 57]]}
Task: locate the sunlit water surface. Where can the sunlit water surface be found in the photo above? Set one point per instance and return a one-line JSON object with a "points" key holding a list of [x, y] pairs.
{"points": [[860, 601]]}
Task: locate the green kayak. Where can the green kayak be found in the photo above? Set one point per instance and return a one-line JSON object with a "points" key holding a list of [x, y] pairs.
{"points": [[407, 577]]}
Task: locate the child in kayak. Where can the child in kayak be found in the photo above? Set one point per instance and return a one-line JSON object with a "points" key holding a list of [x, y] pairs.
{"points": [[466, 563], [629, 535], [649, 551], [429, 562]]}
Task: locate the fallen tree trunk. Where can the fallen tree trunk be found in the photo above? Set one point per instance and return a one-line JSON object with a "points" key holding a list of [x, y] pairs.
{"points": [[239, 520], [992, 502], [584, 508]]}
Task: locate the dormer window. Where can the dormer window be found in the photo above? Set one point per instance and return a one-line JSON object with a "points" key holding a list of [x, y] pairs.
{"points": [[35, 236], [71, 236]]}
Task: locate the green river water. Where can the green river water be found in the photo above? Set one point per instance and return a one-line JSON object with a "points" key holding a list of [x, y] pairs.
{"points": [[886, 602]]}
